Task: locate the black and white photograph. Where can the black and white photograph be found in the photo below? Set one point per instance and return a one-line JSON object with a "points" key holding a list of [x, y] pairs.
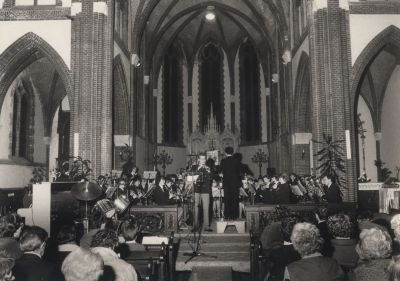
{"points": [[199, 140]]}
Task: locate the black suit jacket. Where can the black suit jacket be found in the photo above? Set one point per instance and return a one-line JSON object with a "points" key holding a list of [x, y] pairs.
{"points": [[32, 268], [230, 168], [333, 194], [160, 197]]}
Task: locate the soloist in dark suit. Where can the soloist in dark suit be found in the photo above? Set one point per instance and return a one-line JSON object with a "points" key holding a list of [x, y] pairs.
{"points": [[333, 194], [32, 268], [230, 167]]}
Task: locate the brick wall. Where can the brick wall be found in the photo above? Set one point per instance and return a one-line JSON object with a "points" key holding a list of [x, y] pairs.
{"points": [[92, 77], [330, 72]]}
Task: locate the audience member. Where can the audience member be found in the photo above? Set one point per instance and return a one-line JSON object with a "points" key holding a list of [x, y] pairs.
{"points": [[321, 216], [128, 237], [374, 248], [395, 225], [66, 238], [341, 228], [394, 269], [283, 256], [104, 242], [31, 266], [6, 265], [82, 265], [307, 241], [8, 242]]}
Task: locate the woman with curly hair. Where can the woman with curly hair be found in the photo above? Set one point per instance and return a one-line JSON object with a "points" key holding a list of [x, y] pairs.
{"points": [[6, 264], [82, 264], [374, 250], [394, 269], [313, 266], [104, 242], [341, 228]]}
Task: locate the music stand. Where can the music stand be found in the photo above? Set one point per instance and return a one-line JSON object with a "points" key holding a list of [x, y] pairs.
{"points": [[149, 175]]}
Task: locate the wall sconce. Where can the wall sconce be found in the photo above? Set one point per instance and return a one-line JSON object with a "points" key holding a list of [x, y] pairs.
{"points": [[275, 78], [287, 57], [135, 60], [303, 153]]}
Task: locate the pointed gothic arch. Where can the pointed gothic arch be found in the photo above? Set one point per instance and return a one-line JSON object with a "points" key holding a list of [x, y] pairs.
{"points": [[391, 34], [249, 92], [22, 53], [120, 99], [303, 98], [211, 83]]}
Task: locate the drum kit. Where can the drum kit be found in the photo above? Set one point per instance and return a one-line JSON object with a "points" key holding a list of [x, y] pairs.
{"points": [[88, 191]]}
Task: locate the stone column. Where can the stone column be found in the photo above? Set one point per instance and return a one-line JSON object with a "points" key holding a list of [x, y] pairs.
{"points": [[330, 65], [92, 49]]}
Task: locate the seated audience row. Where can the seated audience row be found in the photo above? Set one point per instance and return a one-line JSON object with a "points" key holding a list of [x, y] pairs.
{"points": [[330, 248]]}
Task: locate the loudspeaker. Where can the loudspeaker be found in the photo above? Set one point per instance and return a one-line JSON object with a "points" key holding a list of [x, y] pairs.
{"points": [[11, 199]]}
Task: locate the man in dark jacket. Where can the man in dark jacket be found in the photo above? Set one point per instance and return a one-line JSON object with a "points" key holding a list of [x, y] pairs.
{"points": [[31, 266], [230, 167], [332, 191]]}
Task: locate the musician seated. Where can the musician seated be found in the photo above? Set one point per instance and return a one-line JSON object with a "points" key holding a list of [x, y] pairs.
{"points": [[160, 194], [283, 193], [136, 192], [259, 191]]}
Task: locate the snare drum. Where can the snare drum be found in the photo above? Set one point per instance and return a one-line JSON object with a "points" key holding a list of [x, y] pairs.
{"points": [[106, 207], [121, 203]]}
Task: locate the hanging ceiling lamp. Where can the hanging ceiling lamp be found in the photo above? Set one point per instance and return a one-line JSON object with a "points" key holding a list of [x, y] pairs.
{"points": [[210, 15]]}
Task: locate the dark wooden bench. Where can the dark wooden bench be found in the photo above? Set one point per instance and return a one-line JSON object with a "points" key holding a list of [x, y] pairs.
{"points": [[162, 259]]}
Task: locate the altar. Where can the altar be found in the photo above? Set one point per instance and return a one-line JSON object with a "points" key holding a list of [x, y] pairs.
{"points": [[213, 138], [388, 196]]}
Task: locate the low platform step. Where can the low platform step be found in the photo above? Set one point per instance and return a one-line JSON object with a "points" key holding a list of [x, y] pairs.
{"points": [[220, 273], [239, 224]]}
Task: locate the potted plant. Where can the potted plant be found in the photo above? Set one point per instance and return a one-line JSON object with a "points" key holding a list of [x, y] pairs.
{"points": [[330, 158]]}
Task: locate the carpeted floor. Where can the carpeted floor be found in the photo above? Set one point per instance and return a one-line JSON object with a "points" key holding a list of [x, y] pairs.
{"points": [[218, 251], [236, 276]]}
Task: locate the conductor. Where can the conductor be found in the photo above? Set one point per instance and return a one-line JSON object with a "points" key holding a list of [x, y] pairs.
{"points": [[230, 168]]}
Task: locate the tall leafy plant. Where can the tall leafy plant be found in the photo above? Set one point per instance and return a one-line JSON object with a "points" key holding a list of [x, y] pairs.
{"points": [[330, 158]]}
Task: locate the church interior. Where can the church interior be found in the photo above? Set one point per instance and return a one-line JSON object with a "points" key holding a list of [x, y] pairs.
{"points": [[98, 95]]}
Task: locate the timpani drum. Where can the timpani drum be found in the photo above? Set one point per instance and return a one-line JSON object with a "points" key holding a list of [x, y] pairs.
{"points": [[106, 207]]}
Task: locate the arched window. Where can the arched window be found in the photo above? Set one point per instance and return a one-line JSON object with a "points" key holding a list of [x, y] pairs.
{"points": [[172, 97], [23, 127], [249, 72], [22, 120], [211, 85]]}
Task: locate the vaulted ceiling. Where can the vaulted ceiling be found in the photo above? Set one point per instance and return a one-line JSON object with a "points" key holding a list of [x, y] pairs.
{"points": [[47, 84], [163, 22], [375, 80]]}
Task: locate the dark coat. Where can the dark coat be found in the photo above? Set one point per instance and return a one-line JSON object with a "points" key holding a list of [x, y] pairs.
{"points": [[230, 168], [315, 269], [282, 195], [333, 194], [32, 268], [160, 197], [282, 257]]}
